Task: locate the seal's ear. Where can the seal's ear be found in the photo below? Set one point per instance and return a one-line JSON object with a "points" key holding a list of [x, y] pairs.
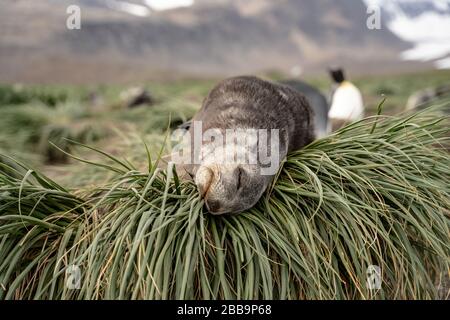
{"points": [[337, 74]]}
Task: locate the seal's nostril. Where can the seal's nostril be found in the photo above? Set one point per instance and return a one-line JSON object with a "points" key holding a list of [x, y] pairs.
{"points": [[213, 205]]}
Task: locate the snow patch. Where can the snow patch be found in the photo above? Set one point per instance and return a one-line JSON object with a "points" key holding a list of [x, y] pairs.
{"points": [[428, 30], [443, 63], [428, 26], [130, 8], [427, 51], [160, 5]]}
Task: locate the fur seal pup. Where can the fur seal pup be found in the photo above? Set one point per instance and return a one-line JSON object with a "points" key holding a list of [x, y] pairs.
{"points": [[318, 103], [245, 104]]}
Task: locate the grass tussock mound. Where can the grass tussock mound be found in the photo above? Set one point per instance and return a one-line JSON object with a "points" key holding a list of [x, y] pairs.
{"points": [[374, 193]]}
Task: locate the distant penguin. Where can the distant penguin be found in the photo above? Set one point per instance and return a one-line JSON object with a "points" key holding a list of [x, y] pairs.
{"points": [[423, 98], [318, 103], [346, 100]]}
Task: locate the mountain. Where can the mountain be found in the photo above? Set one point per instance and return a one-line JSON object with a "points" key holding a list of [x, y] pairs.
{"points": [[423, 23], [134, 40]]}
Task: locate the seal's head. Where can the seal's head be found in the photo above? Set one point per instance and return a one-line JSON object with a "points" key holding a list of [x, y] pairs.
{"points": [[230, 188]]}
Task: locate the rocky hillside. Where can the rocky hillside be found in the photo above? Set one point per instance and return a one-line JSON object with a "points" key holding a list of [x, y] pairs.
{"points": [[131, 40]]}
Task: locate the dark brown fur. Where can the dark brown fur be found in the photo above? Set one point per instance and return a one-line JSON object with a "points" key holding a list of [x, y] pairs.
{"points": [[262, 105]]}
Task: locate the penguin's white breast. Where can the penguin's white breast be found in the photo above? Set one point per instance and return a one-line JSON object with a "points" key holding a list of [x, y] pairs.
{"points": [[347, 103]]}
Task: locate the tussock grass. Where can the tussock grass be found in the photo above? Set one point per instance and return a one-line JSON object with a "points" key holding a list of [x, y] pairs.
{"points": [[28, 128], [374, 193], [19, 94]]}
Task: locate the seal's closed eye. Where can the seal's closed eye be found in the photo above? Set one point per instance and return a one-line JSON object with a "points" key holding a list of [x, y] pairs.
{"points": [[239, 172]]}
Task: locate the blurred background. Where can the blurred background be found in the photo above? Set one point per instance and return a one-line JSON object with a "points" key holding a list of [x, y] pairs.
{"points": [[133, 40], [138, 67]]}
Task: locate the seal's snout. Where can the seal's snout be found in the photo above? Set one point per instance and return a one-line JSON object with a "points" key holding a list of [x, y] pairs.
{"points": [[203, 180], [213, 206]]}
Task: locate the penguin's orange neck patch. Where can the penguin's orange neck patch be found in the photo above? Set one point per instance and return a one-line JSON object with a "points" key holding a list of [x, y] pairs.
{"points": [[346, 84]]}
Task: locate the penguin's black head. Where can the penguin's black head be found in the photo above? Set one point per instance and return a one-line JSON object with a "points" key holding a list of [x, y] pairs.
{"points": [[337, 75]]}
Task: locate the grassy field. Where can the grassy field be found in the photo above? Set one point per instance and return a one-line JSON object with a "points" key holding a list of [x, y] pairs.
{"points": [[34, 115], [101, 216]]}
